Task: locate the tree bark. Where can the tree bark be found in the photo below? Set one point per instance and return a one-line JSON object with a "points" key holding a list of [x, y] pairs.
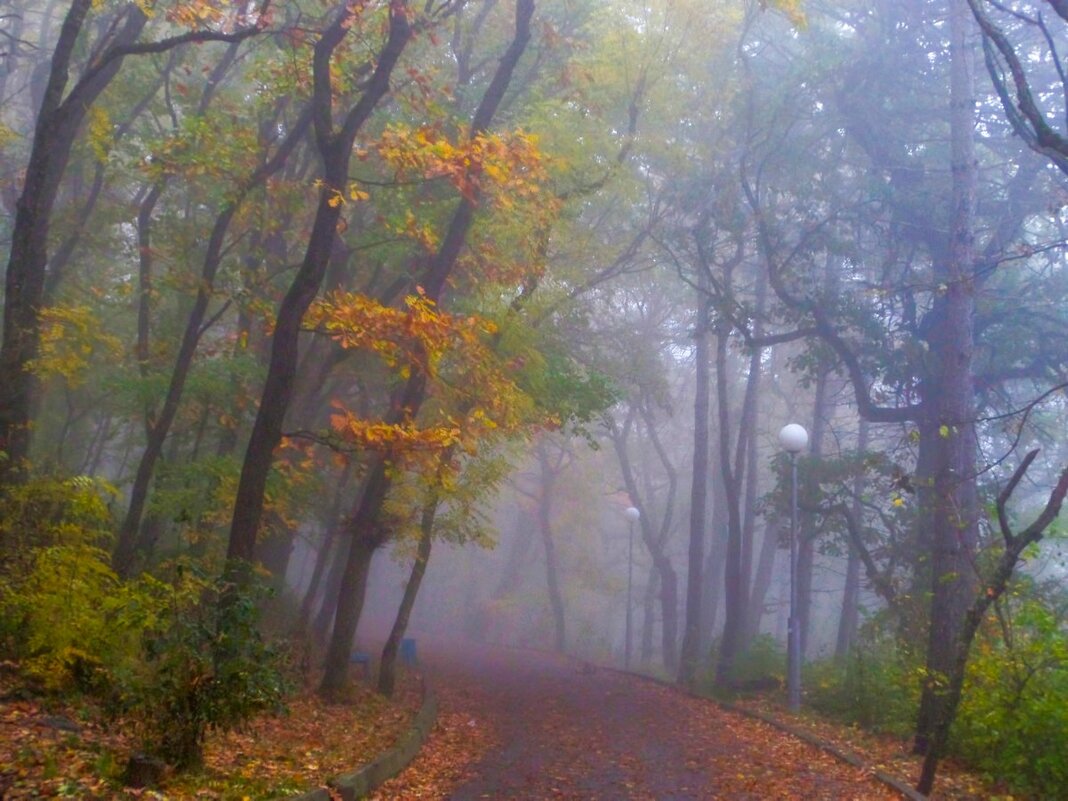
{"points": [[689, 657], [645, 651], [765, 569], [949, 426], [847, 623], [387, 666], [546, 485], [806, 555]]}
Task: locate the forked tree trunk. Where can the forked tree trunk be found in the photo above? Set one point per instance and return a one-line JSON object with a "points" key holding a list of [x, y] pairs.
{"points": [[335, 148], [407, 401]]}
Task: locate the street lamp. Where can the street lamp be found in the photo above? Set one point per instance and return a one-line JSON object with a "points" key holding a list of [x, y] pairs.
{"points": [[633, 516], [793, 439]]}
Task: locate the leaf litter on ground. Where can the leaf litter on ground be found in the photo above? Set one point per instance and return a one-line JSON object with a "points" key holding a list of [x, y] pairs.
{"points": [[55, 749]]}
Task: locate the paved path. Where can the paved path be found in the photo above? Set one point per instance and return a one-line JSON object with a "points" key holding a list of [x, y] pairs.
{"points": [[526, 725]]}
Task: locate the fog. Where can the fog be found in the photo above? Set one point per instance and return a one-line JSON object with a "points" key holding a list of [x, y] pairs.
{"points": [[346, 292]]}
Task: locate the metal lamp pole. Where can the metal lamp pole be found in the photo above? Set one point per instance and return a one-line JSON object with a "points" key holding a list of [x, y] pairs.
{"points": [[793, 439], [633, 515]]}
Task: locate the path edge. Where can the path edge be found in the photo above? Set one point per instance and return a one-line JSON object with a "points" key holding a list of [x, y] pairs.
{"points": [[363, 781], [849, 757]]}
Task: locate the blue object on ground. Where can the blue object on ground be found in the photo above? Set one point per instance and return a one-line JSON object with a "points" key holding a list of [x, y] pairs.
{"points": [[407, 651], [362, 659]]}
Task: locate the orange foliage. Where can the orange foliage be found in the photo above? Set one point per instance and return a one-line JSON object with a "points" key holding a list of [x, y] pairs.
{"points": [[510, 162], [474, 395]]}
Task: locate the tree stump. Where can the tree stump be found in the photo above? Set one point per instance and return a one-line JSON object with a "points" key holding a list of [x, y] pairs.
{"points": [[143, 771]]}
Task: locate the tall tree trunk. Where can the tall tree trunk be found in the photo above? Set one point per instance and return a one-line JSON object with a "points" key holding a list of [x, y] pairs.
{"points": [[847, 623], [732, 471], [546, 486], [275, 551], [652, 539], [58, 120], [335, 148], [765, 569], [689, 657], [715, 561], [348, 603], [324, 618], [159, 425], [387, 666], [645, 651], [331, 523], [949, 426], [806, 553]]}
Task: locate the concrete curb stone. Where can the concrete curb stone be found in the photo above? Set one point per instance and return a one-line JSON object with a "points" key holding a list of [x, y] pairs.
{"points": [[362, 782]]}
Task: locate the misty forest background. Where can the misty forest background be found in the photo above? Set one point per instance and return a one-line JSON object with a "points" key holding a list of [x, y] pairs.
{"points": [[304, 299]]}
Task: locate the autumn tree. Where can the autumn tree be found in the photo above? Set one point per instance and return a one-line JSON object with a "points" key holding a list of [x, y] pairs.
{"points": [[59, 120], [363, 529], [334, 145]]}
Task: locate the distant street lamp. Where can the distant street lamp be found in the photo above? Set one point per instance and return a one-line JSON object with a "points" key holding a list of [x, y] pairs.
{"points": [[633, 516], [793, 439]]}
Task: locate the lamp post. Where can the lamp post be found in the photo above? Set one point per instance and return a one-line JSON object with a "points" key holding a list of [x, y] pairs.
{"points": [[633, 516], [793, 439]]}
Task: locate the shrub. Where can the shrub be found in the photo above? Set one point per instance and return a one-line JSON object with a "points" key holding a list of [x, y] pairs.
{"points": [[75, 625], [763, 660], [1014, 715], [876, 686], [210, 668], [47, 512], [161, 652]]}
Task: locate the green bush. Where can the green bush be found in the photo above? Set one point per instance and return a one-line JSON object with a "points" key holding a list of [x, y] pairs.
{"points": [[48, 512], [165, 653], [210, 668], [1013, 716], [64, 614], [764, 659], [877, 686], [74, 625], [1013, 720], [760, 667]]}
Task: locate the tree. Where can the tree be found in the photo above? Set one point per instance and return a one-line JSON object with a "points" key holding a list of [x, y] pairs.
{"points": [[364, 531], [59, 120], [334, 147], [1029, 74], [991, 588]]}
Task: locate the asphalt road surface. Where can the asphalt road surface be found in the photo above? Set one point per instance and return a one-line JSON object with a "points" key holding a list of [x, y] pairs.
{"points": [[520, 724]]}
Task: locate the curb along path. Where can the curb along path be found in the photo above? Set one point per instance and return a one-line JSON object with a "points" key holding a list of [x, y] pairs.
{"points": [[846, 756], [363, 781]]}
